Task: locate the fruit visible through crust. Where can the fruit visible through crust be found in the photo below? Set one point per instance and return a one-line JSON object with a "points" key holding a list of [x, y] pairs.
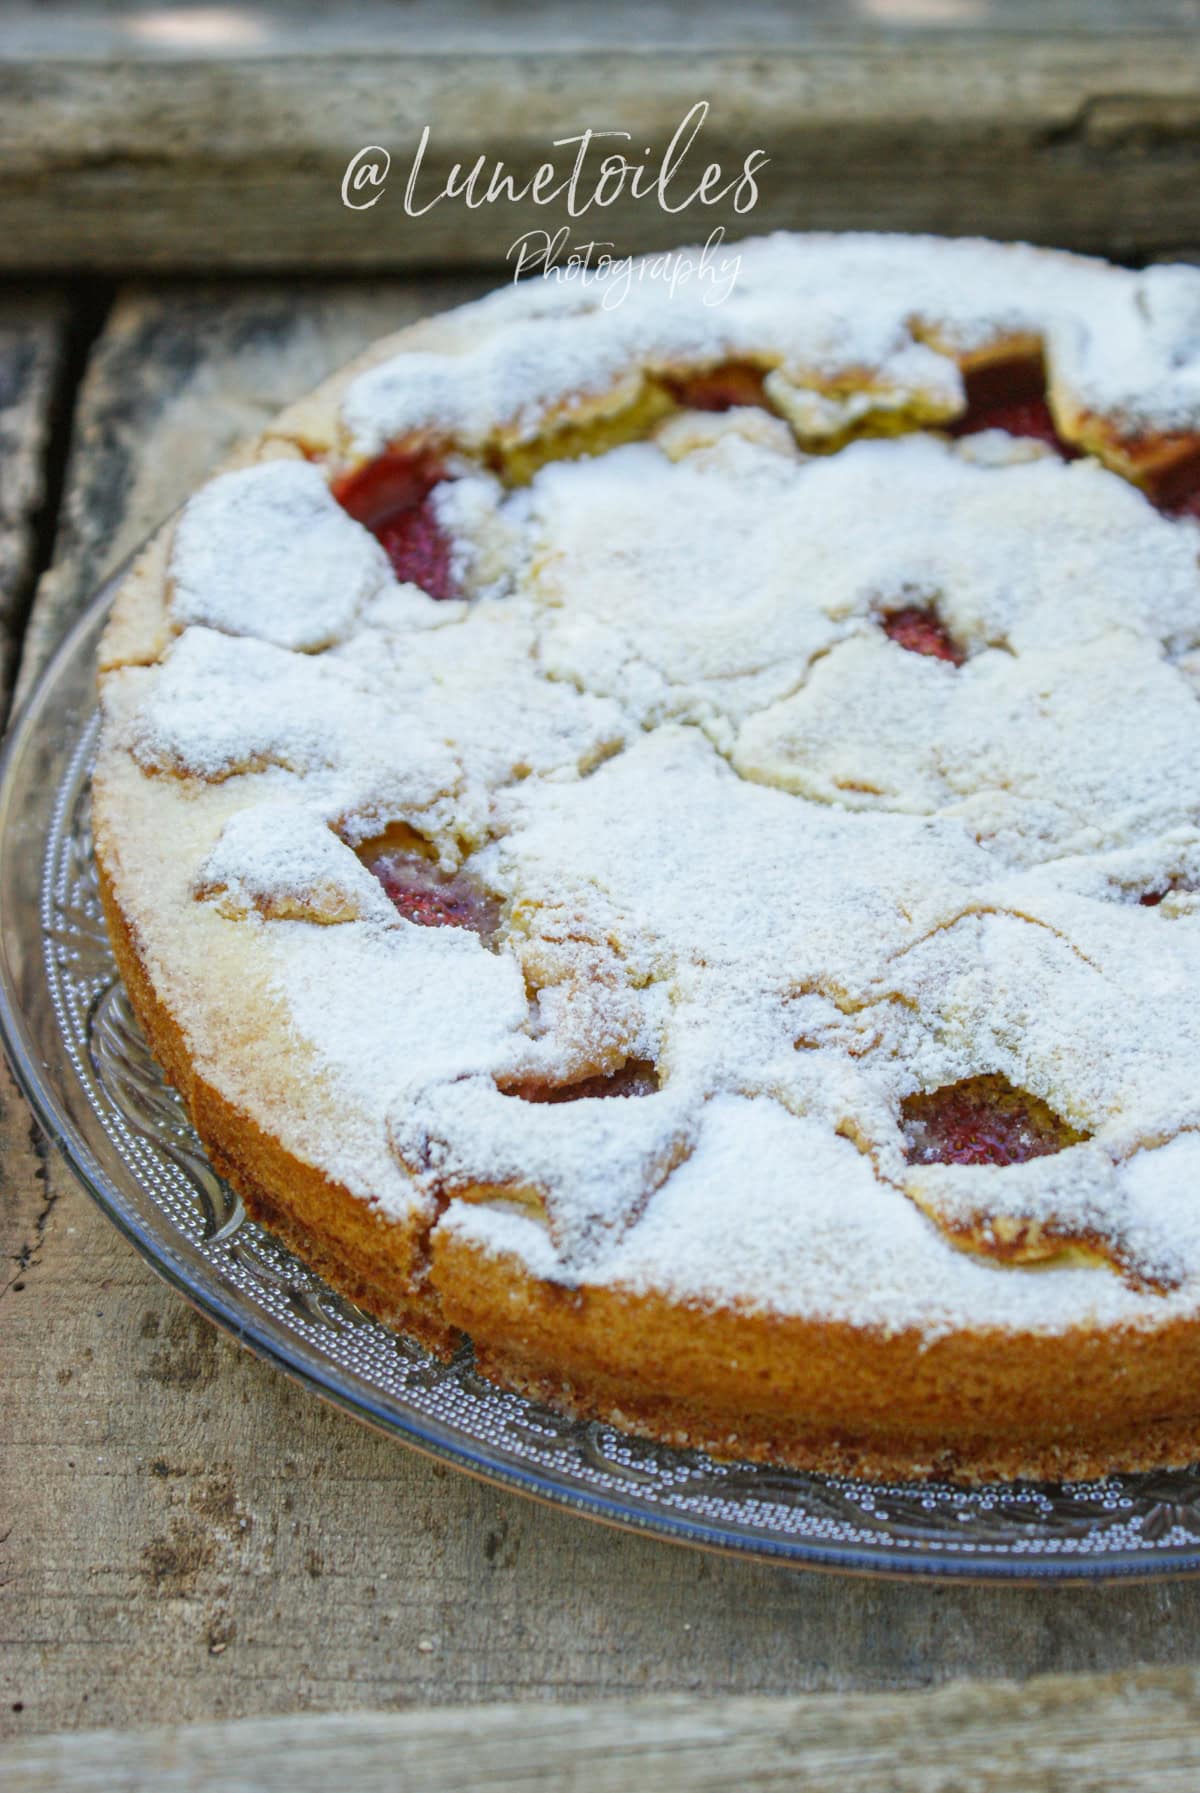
{"points": [[1019, 417], [721, 388], [920, 630], [981, 1120], [430, 897], [418, 549], [1177, 493], [1151, 899], [392, 497], [1011, 396]]}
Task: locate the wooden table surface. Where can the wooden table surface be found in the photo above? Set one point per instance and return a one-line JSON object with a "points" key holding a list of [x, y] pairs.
{"points": [[135, 135], [185, 1534]]}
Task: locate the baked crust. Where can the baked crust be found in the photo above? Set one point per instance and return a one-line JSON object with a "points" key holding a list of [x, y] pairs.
{"points": [[1055, 1397], [975, 1405], [817, 1395], [379, 1264]]}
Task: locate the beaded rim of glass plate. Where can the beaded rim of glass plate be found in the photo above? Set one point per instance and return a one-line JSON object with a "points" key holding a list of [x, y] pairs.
{"points": [[82, 1060]]}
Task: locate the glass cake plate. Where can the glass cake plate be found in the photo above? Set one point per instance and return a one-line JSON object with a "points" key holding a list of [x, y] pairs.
{"points": [[84, 1065]]}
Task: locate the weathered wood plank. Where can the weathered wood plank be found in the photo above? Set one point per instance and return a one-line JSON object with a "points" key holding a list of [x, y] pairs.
{"points": [[1085, 138], [32, 329], [188, 1535], [98, 30], [1110, 1734]]}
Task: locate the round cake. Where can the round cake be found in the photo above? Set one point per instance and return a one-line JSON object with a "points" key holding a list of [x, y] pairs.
{"points": [[663, 837]]}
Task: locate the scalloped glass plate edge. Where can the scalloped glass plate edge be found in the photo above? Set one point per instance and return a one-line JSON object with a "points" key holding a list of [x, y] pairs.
{"points": [[79, 1056]]}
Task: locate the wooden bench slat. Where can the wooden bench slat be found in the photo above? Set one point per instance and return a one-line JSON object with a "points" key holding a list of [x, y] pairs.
{"points": [[124, 163], [1110, 1734]]}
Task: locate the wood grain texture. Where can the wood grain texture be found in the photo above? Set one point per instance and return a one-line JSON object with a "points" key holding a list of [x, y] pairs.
{"points": [[32, 330], [188, 1535], [99, 31], [125, 161], [1109, 1734]]}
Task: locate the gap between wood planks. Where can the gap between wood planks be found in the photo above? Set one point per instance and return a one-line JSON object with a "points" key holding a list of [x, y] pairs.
{"points": [[84, 316]]}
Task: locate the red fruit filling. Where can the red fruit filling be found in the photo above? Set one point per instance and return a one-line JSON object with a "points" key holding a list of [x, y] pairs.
{"points": [[1011, 396], [1178, 492], [921, 631], [419, 551], [718, 388], [1021, 417], [392, 497], [1152, 898], [982, 1120], [637, 1077], [431, 898]]}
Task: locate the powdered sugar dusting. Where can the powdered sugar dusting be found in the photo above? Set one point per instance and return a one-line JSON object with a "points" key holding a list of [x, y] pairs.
{"points": [[730, 826], [774, 1213], [268, 552], [284, 861], [821, 310]]}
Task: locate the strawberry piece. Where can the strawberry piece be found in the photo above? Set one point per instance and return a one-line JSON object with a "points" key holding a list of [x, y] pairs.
{"points": [[419, 550], [921, 631], [1152, 898], [1011, 396], [982, 1120], [391, 497], [1177, 493], [432, 898], [1020, 417], [388, 485], [1185, 507]]}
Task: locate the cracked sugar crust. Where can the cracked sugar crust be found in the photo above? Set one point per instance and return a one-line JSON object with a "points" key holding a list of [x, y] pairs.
{"points": [[730, 827], [781, 561], [844, 323]]}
